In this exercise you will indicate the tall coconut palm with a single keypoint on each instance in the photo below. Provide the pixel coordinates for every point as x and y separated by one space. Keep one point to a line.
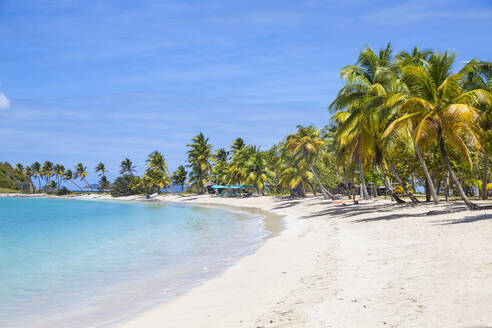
29 172
292 170
416 57
58 171
257 171
36 167
368 78
440 109
104 184
479 76
101 169
199 157
237 145
220 170
81 173
127 167
47 171
179 177
69 176
153 181
19 168
307 142
156 161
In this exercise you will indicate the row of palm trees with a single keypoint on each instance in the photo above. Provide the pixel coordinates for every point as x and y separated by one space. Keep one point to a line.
50 176
395 117
399 120
414 102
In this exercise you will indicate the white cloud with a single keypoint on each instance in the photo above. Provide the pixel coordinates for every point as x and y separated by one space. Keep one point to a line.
4 102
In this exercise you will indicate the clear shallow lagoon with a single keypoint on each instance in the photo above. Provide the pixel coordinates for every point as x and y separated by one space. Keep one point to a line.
81 263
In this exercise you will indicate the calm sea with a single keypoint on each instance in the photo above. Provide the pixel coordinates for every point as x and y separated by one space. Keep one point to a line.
81 263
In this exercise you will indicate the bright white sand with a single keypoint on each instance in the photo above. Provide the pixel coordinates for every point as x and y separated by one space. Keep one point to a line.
371 265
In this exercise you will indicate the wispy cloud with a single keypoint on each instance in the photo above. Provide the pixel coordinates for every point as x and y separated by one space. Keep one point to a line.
418 10
4 102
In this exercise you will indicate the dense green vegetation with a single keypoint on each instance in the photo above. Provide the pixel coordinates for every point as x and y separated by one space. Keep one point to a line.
409 122
14 179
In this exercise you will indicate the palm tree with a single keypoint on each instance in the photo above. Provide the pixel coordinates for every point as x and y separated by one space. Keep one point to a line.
220 171
104 184
19 168
101 169
237 145
127 167
36 167
257 172
307 142
292 170
58 171
199 159
47 171
156 161
153 180
362 124
29 172
368 78
179 177
69 176
81 173
440 109
480 77
416 57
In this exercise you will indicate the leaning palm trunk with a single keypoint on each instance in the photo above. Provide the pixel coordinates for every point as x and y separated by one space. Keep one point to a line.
388 186
485 180
324 191
87 184
457 183
427 175
363 189
401 183
75 184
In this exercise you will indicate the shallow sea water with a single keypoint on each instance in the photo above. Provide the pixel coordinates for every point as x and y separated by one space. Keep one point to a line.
84 263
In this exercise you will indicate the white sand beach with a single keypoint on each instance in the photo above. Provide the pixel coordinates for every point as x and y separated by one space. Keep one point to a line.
372 265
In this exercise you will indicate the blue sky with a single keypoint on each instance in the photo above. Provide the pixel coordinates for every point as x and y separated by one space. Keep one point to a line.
99 81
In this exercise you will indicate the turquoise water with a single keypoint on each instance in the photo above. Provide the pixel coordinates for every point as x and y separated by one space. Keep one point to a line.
81 263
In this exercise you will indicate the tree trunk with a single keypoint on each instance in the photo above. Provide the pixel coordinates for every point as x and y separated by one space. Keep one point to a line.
427 191
363 189
345 183
312 187
87 184
325 192
427 175
401 183
456 182
76 185
446 187
388 186
300 189
485 180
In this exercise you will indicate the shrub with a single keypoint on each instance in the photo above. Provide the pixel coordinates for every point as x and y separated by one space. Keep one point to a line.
125 185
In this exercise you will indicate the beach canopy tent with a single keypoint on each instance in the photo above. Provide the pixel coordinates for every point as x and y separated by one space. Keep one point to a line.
228 187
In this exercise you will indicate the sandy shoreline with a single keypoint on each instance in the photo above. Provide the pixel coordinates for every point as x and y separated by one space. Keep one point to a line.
373 265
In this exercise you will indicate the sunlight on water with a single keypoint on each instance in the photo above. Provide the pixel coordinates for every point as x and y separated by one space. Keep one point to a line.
71 262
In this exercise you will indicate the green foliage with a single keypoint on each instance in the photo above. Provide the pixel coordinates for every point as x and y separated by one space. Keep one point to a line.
126 185
11 178
179 177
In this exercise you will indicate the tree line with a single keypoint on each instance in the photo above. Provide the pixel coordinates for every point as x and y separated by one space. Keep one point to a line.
407 122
